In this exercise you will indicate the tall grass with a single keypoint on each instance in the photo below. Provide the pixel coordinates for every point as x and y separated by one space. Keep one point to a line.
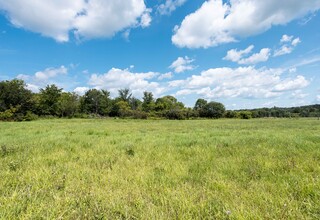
131 169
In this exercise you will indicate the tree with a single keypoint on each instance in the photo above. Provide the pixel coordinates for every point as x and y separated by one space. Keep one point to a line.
96 102
49 98
134 103
168 103
245 115
212 110
13 94
68 104
230 114
121 109
148 103
200 103
124 95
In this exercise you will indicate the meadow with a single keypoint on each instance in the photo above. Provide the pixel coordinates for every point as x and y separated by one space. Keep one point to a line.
160 169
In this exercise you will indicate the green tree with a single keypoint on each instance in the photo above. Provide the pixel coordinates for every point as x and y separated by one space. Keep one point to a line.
13 94
121 109
168 103
148 103
212 110
135 103
68 104
245 115
200 103
96 102
49 100
124 95
231 114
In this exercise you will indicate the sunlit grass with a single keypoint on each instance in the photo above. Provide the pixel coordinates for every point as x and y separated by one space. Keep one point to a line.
131 169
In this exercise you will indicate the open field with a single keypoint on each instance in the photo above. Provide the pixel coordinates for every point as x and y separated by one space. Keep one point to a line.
132 169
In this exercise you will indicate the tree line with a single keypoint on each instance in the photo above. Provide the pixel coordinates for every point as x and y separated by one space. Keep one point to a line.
17 103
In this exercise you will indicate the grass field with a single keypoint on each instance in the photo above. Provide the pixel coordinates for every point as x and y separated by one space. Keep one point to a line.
158 169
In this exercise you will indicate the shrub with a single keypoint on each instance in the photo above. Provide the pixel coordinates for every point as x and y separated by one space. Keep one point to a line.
30 116
139 114
7 115
175 114
245 115
230 114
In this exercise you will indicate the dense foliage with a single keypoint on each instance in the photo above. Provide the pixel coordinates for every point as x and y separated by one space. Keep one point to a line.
20 104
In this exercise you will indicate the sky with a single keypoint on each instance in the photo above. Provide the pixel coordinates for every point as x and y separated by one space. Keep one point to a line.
243 53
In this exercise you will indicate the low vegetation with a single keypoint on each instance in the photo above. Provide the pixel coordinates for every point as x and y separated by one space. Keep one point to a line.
17 103
160 169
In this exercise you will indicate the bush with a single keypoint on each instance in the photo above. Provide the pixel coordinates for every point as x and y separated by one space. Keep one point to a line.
230 114
30 116
175 114
7 115
245 115
139 114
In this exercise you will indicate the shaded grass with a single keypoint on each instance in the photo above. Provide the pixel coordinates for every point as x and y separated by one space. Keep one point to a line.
131 169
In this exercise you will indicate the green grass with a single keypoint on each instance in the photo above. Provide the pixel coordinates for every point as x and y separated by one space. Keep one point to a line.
131 169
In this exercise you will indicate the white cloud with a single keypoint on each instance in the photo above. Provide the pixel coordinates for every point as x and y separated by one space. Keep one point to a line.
50 73
318 98
235 55
285 38
116 79
33 88
176 83
165 76
85 18
298 94
216 22
246 82
262 56
283 50
288 45
182 64
146 18
295 42
81 90
239 55
169 6
23 77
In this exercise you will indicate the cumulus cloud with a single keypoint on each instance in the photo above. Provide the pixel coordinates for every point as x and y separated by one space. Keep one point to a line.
288 45
182 64
168 75
298 94
33 88
216 22
262 56
235 55
239 56
295 42
116 79
169 6
146 18
50 73
246 82
85 18
291 84
285 38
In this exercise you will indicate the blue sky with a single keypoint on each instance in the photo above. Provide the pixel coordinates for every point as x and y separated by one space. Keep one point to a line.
243 53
